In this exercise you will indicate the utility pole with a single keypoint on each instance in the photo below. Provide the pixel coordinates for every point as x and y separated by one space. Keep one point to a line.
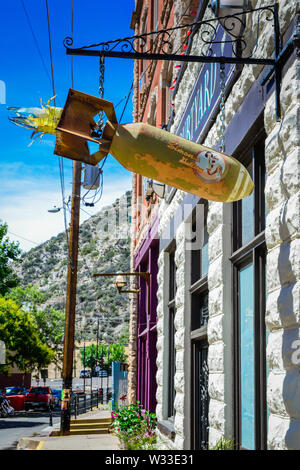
71 301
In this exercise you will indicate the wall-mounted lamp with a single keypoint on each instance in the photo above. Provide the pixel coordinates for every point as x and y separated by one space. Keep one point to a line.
154 187
226 11
121 282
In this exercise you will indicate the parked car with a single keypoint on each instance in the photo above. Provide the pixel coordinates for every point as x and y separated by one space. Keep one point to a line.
85 373
102 373
39 397
57 396
15 391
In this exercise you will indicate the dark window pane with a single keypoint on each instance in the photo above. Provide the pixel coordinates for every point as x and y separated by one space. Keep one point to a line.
199 310
203 398
196 260
172 277
172 356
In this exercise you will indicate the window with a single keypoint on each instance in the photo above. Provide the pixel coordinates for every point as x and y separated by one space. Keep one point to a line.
171 334
199 319
249 308
200 253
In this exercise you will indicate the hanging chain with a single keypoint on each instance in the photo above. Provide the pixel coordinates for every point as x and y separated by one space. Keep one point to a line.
100 123
222 106
101 77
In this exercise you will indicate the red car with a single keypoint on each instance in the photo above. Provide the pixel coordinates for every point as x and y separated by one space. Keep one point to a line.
39 397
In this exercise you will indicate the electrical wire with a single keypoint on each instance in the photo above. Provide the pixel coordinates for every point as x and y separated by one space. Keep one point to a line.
128 95
60 160
23 238
50 51
36 41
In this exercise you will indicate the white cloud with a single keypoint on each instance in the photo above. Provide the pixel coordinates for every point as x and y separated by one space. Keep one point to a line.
25 203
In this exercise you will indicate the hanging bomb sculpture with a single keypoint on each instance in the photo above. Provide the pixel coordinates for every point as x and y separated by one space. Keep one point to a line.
149 151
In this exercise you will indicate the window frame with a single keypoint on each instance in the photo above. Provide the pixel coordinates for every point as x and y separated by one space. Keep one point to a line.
171 363
253 252
198 335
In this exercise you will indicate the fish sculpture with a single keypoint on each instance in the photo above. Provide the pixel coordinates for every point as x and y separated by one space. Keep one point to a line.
147 150
43 120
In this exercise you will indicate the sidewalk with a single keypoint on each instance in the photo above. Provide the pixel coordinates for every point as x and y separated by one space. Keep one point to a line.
80 442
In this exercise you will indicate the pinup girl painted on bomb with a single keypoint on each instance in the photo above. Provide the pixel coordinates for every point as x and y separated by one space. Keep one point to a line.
210 167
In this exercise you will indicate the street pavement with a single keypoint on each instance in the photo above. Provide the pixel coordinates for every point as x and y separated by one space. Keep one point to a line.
35 422
25 424
75 442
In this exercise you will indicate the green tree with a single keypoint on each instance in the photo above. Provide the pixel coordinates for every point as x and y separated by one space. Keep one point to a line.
107 353
24 347
29 297
124 334
50 322
9 251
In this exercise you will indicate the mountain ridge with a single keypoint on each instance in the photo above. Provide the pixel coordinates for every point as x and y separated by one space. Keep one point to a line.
104 246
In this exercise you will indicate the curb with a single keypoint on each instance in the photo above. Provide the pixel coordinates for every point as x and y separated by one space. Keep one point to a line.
27 443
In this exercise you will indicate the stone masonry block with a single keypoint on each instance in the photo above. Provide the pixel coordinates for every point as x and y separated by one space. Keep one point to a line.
283 222
292 437
275 191
278 428
274 394
216 384
291 172
282 349
216 357
216 416
283 265
216 273
215 301
214 436
215 216
283 138
215 245
283 307
215 328
179 382
179 403
291 391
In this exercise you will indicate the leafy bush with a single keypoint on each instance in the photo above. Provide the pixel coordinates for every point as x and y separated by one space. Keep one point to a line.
223 444
134 427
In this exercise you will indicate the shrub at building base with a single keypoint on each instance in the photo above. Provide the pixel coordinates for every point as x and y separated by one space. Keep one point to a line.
134 427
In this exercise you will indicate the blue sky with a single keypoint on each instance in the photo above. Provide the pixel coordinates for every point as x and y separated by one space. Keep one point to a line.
30 183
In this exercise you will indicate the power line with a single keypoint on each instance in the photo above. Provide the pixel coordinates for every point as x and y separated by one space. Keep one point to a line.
50 50
126 103
60 161
35 41
23 238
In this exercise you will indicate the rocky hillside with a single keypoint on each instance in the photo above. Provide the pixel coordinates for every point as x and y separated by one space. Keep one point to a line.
104 246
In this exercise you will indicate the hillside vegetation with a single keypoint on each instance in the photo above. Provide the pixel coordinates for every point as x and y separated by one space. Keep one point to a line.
104 246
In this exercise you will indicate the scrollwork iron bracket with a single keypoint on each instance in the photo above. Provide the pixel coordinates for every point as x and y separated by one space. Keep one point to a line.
158 45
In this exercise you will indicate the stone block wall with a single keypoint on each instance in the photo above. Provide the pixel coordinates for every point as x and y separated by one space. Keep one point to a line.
282 193
283 265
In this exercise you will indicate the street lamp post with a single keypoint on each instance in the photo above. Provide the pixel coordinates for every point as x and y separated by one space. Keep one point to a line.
84 366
